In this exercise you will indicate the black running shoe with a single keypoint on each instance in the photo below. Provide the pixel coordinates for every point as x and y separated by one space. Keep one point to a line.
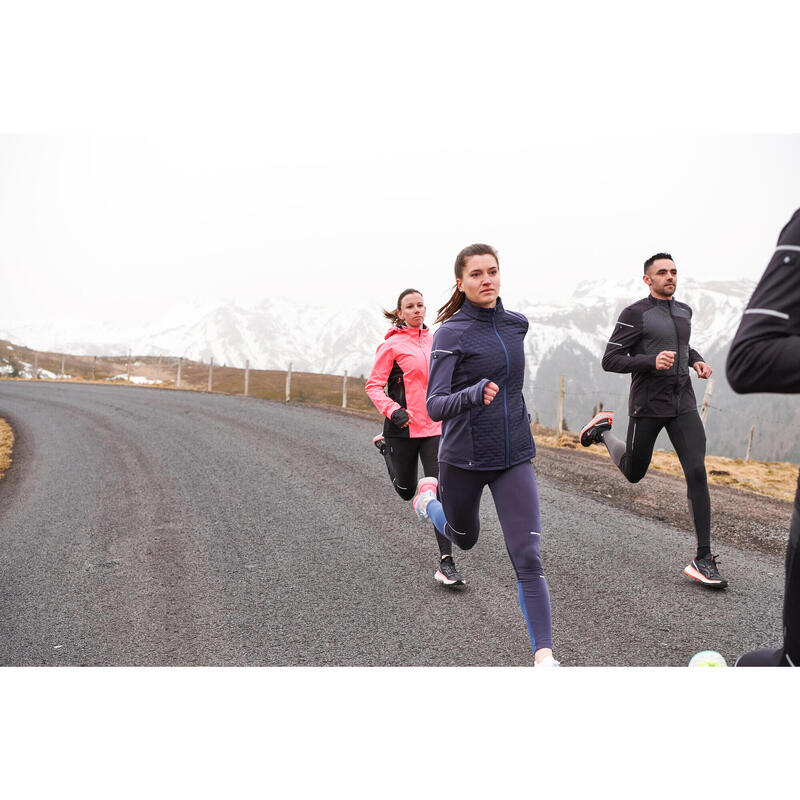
380 443
447 573
770 657
597 425
705 570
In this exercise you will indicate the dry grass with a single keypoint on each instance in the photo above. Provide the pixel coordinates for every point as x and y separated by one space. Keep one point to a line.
771 478
307 387
6 445
774 479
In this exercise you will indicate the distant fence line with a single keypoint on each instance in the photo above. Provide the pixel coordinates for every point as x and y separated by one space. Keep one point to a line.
289 385
175 371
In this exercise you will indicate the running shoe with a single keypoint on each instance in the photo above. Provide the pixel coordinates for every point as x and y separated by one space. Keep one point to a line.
380 443
705 570
769 657
447 573
548 662
426 491
596 426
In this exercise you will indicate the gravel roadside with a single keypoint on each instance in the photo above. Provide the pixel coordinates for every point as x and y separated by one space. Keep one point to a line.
746 520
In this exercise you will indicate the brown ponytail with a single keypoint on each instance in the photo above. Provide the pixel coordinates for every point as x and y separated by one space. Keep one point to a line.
457 298
392 315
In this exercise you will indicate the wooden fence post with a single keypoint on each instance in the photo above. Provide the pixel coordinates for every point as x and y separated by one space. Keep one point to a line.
706 401
289 383
344 390
62 366
94 368
560 420
158 369
180 364
210 373
36 366
750 443
246 377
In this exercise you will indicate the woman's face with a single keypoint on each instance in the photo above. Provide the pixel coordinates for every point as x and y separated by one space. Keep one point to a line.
480 280
412 310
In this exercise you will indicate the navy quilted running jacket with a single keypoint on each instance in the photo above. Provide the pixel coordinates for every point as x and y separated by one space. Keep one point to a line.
475 346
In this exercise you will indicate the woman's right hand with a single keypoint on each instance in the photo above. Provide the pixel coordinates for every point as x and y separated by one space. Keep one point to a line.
490 392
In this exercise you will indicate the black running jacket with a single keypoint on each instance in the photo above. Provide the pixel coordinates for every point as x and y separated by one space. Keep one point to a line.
765 353
642 331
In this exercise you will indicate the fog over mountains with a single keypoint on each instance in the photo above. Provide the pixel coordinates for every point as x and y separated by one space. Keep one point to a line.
566 339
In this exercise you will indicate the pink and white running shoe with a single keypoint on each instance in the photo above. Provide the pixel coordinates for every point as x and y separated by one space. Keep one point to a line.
426 491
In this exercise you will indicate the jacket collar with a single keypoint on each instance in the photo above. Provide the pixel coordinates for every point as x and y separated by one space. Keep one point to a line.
656 301
469 309
405 330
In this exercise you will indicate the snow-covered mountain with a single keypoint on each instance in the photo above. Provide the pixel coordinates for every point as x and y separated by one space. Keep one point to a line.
565 339
587 320
272 333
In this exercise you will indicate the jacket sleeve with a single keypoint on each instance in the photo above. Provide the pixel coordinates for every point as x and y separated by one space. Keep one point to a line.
765 353
384 360
626 334
442 402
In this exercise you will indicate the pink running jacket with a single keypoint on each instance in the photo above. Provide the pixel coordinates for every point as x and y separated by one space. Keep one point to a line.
401 364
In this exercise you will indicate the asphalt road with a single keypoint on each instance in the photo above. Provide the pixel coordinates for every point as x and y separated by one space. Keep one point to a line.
156 527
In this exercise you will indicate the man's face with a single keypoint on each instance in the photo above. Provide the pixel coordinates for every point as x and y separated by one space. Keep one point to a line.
662 278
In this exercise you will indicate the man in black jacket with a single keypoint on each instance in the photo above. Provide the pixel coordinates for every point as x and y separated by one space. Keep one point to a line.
765 357
651 341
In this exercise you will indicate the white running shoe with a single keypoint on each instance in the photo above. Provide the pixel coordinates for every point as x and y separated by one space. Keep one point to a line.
426 491
548 662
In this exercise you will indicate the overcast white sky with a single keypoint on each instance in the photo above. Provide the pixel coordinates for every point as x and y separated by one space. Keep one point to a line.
342 154
109 226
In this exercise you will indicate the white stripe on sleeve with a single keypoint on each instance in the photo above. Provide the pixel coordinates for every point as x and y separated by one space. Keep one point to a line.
768 312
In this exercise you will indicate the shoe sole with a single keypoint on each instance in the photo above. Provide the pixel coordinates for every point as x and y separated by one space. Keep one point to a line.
700 578
442 578
594 422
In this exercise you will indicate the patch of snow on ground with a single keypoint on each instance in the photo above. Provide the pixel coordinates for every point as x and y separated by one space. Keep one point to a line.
137 379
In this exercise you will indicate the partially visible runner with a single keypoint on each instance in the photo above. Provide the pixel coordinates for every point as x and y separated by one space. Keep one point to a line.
651 341
765 357
475 387
409 434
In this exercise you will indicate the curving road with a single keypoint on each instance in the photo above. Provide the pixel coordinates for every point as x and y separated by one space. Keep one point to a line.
155 527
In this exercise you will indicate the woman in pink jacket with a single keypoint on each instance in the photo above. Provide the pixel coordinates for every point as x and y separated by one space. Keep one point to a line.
398 385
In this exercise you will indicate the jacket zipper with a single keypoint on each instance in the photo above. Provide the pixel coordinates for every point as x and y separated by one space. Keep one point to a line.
505 398
677 358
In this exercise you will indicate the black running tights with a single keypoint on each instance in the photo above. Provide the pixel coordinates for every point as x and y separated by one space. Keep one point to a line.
688 437
789 654
401 456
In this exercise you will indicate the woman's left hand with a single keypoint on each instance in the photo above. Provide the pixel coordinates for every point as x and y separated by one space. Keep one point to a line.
490 392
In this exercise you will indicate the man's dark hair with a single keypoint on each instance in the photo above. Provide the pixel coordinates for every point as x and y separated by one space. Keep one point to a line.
649 262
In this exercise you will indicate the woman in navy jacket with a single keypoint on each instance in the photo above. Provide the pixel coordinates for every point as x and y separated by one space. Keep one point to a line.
475 388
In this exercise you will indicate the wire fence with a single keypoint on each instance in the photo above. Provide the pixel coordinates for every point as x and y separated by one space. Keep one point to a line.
727 431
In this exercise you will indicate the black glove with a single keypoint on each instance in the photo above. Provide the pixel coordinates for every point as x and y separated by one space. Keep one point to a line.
400 417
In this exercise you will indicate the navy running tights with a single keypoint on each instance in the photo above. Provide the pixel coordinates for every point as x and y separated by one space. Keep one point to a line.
401 456
688 437
516 498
